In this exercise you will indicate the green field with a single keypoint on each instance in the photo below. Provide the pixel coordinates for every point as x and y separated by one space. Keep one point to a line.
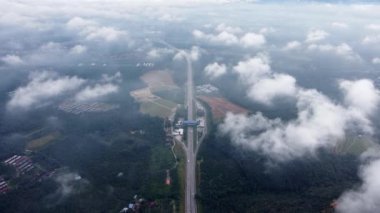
174 94
353 145
159 108
181 169
42 141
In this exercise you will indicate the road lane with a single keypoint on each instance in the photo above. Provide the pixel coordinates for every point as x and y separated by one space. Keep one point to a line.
191 206
190 202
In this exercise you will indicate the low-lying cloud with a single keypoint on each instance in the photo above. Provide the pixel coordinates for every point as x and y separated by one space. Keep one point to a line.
41 87
227 35
291 45
320 122
263 84
91 30
366 197
316 35
92 93
344 50
69 183
12 60
78 49
215 70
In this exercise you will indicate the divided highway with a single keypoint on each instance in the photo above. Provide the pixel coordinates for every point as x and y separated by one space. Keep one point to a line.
191 146
190 203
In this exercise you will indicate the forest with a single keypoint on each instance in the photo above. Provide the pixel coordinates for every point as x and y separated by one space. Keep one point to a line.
234 179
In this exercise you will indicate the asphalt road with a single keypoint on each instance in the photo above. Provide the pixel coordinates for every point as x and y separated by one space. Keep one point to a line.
190 203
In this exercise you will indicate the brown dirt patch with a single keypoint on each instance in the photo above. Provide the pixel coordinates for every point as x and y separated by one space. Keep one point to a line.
220 107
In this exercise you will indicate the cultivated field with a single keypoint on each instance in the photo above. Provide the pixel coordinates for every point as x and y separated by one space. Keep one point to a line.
220 107
354 145
42 141
150 103
158 80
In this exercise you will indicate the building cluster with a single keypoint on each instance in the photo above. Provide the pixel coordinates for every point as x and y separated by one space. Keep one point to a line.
138 204
4 188
78 108
32 172
178 128
178 131
22 164
145 64
206 89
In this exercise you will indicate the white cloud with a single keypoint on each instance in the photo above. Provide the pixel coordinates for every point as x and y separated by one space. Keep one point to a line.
78 49
215 70
227 38
195 53
316 35
158 53
373 39
91 30
12 18
105 33
225 28
267 30
198 34
66 183
320 123
12 60
224 37
117 77
41 87
51 47
252 40
341 25
374 27
360 94
292 45
179 56
252 69
376 60
91 93
366 198
170 18
267 89
69 183
264 85
344 50
78 23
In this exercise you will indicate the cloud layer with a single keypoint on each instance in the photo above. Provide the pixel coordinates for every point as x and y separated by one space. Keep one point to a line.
227 35
92 93
366 198
42 87
263 84
215 70
320 122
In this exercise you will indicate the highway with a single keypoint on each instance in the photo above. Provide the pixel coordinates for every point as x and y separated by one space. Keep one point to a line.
191 146
190 202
